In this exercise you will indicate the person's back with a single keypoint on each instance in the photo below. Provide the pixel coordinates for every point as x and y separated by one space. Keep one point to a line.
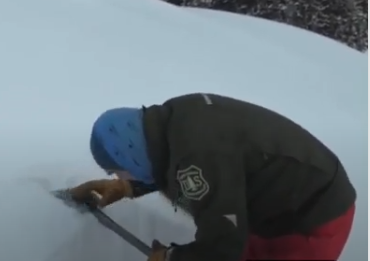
291 177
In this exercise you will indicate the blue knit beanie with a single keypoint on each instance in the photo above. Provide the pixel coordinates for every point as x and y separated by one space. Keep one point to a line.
118 143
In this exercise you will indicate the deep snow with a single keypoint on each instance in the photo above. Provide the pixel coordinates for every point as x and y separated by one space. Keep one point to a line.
63 62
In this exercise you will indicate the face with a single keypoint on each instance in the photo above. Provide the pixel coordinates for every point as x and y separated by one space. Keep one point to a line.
122 174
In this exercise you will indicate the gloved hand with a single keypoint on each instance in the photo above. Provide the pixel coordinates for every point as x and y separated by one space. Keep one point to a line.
109 191
158 252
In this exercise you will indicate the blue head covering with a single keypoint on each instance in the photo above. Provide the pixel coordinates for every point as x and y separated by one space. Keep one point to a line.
118 143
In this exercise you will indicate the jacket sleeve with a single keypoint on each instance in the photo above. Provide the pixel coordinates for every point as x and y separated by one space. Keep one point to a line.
140 189
213 185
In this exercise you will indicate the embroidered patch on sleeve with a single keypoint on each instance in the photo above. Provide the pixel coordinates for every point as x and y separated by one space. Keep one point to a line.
192 182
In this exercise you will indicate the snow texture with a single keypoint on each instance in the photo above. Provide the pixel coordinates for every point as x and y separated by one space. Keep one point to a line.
341 20
63 62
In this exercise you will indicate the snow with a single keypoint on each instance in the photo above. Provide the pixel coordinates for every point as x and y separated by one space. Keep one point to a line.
297 41
63 62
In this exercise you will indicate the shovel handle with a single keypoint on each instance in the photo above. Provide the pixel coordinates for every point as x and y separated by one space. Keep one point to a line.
112 225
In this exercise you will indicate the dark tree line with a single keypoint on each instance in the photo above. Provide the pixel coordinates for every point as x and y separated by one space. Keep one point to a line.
341 20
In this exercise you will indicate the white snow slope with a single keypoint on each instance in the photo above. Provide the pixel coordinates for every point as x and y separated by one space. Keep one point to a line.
64 62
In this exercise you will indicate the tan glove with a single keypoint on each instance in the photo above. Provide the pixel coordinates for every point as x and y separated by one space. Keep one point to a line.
108 190
158 252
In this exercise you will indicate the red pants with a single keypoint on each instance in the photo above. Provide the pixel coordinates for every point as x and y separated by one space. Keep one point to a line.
324 243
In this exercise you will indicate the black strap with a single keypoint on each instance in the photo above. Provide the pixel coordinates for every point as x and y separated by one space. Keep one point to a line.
109 223
91 206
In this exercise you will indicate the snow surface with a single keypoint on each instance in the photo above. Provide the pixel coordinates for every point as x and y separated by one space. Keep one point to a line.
63 62
296 40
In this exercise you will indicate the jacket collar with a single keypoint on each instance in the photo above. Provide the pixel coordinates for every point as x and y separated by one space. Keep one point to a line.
155 120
